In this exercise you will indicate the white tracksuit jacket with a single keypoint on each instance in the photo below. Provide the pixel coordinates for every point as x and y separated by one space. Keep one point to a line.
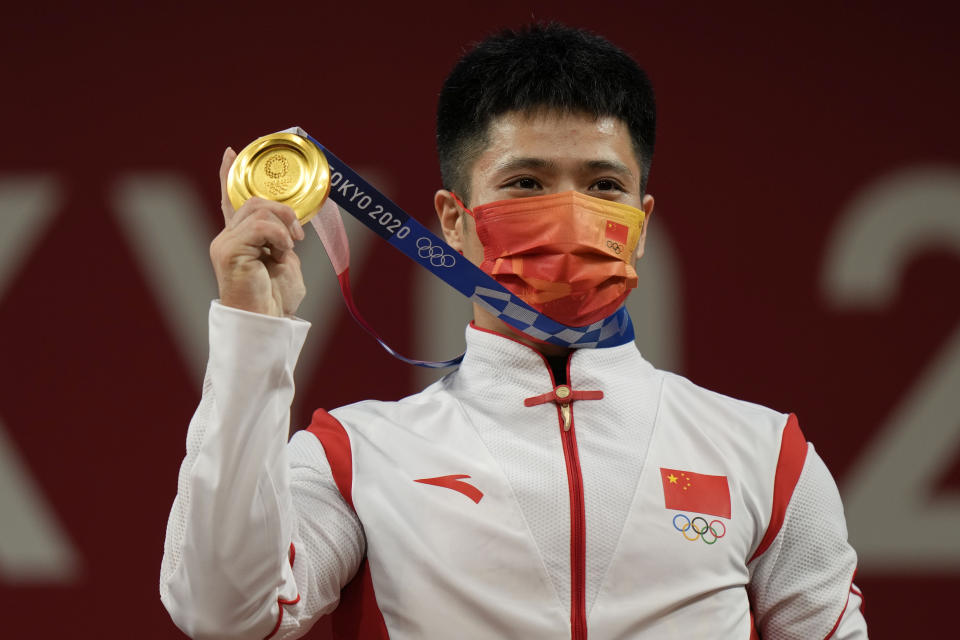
465 512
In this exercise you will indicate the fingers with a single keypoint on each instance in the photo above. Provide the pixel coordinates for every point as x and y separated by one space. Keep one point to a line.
259 207
260 229
260 236
265 235
229 155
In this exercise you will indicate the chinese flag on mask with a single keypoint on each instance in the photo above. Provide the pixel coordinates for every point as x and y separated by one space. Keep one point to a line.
689 491
617 232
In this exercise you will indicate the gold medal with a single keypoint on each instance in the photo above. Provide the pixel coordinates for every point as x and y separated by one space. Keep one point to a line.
283 167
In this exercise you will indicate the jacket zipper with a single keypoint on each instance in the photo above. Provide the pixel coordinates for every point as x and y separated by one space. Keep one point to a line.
578 542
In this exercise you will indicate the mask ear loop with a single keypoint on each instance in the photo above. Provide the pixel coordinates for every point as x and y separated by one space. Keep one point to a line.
462 206
329 227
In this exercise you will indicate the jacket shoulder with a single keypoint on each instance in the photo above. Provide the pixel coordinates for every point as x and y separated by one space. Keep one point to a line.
412 413
720 411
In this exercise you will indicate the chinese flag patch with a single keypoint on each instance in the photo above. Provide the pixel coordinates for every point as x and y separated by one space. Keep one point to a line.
689 491
616 231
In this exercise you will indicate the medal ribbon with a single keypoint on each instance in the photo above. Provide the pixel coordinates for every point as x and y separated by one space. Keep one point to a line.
378 213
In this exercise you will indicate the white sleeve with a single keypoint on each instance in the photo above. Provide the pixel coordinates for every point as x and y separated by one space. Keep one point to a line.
226 570
328 549
802 587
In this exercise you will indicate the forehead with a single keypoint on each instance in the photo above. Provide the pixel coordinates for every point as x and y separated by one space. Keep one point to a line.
561 138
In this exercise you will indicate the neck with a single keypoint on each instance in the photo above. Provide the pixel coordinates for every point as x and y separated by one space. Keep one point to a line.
485 320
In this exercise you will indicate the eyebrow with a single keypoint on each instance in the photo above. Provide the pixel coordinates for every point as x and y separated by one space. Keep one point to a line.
523 162
515 163
609 165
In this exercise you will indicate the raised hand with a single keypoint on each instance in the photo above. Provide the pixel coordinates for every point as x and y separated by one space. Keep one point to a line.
253 257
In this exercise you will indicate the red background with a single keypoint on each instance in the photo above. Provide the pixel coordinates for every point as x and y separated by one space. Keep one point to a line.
771 121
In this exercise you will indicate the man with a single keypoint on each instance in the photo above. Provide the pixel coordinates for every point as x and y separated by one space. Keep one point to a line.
537 491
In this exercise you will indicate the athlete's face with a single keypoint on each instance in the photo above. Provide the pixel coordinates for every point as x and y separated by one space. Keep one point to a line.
539 153
543 152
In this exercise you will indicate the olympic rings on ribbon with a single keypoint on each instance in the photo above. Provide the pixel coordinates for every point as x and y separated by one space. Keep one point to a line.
700 531
429 251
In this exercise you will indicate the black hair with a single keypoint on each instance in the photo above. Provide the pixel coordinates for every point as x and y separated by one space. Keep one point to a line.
549 66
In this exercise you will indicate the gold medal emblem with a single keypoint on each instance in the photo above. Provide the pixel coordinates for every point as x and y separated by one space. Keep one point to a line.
283 167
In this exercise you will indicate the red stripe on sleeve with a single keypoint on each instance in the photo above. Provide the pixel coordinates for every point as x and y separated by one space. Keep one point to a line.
793 453
336 444
859 594
852 589
282 603
358 614
291 554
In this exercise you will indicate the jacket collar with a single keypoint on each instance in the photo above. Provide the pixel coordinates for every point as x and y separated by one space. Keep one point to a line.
493 359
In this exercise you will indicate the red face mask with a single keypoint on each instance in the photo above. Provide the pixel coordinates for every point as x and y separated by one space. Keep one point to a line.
567 255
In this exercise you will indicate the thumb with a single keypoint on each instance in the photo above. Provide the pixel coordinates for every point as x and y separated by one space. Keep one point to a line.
229 155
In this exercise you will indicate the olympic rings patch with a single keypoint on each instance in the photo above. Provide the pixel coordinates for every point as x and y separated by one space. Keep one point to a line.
708 532
429 251
614 246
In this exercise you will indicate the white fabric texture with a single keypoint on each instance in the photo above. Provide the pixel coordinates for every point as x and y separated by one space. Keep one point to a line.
328 538
225 562
808 567
612 437
530 458
444 566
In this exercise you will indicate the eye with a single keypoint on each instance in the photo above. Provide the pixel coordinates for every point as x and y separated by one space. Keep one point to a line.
523 183
606 184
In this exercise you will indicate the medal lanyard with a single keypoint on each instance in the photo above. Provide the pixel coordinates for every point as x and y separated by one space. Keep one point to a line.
360 199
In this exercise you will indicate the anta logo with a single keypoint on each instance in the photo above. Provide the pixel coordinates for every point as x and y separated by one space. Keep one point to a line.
457 484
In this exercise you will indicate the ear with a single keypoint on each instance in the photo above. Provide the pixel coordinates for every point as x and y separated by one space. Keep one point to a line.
451 219
647 206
